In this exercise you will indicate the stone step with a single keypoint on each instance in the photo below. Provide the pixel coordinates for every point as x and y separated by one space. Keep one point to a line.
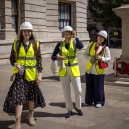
117 83
124 79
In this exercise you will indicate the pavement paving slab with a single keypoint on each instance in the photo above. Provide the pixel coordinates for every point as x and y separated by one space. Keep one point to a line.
114 114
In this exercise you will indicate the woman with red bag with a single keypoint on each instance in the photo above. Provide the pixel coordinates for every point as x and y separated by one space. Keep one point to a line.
96 52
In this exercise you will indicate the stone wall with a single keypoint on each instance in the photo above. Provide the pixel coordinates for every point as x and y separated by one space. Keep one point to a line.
44 17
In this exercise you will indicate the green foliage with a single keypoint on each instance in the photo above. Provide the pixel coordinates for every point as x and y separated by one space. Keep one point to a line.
102 12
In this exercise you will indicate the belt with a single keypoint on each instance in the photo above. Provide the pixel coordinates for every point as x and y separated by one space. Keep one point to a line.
71 64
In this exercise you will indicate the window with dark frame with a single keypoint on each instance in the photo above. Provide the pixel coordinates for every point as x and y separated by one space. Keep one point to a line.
64 15
14 15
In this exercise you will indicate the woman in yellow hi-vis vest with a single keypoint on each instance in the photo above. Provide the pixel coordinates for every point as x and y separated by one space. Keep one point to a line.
24 93
94 74
66 52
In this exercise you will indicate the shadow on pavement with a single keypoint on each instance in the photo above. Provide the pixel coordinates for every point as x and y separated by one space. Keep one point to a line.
5 124
87 105
42 114
52 78
62 105
83 80
111 77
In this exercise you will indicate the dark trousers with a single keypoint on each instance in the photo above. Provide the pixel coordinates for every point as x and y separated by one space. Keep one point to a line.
94 89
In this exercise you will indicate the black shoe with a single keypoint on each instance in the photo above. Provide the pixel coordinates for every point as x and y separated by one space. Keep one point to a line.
79 112
68 114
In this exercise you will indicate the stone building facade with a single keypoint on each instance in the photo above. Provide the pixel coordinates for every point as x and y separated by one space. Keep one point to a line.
48 17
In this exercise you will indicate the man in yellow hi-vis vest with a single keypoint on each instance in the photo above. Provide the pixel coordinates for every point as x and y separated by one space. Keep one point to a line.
94 74
66 51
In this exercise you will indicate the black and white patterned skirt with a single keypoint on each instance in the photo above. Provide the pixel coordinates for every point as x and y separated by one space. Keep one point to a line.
22 91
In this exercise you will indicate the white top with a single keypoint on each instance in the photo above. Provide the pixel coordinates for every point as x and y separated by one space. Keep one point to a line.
107 58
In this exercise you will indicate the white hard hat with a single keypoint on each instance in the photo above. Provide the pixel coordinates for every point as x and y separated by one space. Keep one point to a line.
103 33
26 25
67 28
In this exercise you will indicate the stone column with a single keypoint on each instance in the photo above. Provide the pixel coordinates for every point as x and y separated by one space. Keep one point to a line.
80 12
52 19
6 30
123 12
35 12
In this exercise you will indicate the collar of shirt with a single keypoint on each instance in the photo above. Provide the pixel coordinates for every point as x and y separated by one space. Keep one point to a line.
26 46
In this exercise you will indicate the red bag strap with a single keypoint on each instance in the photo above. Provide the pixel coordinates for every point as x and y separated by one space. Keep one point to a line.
102 50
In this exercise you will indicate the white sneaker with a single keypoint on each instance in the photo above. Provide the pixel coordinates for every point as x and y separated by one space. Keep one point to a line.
98 105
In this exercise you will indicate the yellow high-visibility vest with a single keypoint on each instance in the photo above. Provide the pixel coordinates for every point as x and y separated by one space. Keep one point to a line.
27 60
92 53
71 55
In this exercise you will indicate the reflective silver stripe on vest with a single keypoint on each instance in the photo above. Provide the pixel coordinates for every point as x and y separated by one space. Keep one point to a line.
26 58
71 64
70 57
29 67
74 45
91 47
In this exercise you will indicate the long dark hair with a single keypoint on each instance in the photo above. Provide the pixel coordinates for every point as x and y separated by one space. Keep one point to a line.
32 40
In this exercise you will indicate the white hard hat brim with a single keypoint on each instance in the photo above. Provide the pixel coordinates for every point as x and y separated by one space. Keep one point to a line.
67 31
103 33
103 36
26 29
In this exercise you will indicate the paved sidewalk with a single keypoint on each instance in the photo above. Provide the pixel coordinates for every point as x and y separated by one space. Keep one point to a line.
114 115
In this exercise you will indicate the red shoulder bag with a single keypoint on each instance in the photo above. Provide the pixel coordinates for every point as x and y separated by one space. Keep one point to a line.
102 64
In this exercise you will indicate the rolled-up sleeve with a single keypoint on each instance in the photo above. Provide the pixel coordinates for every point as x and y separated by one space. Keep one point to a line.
79 44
